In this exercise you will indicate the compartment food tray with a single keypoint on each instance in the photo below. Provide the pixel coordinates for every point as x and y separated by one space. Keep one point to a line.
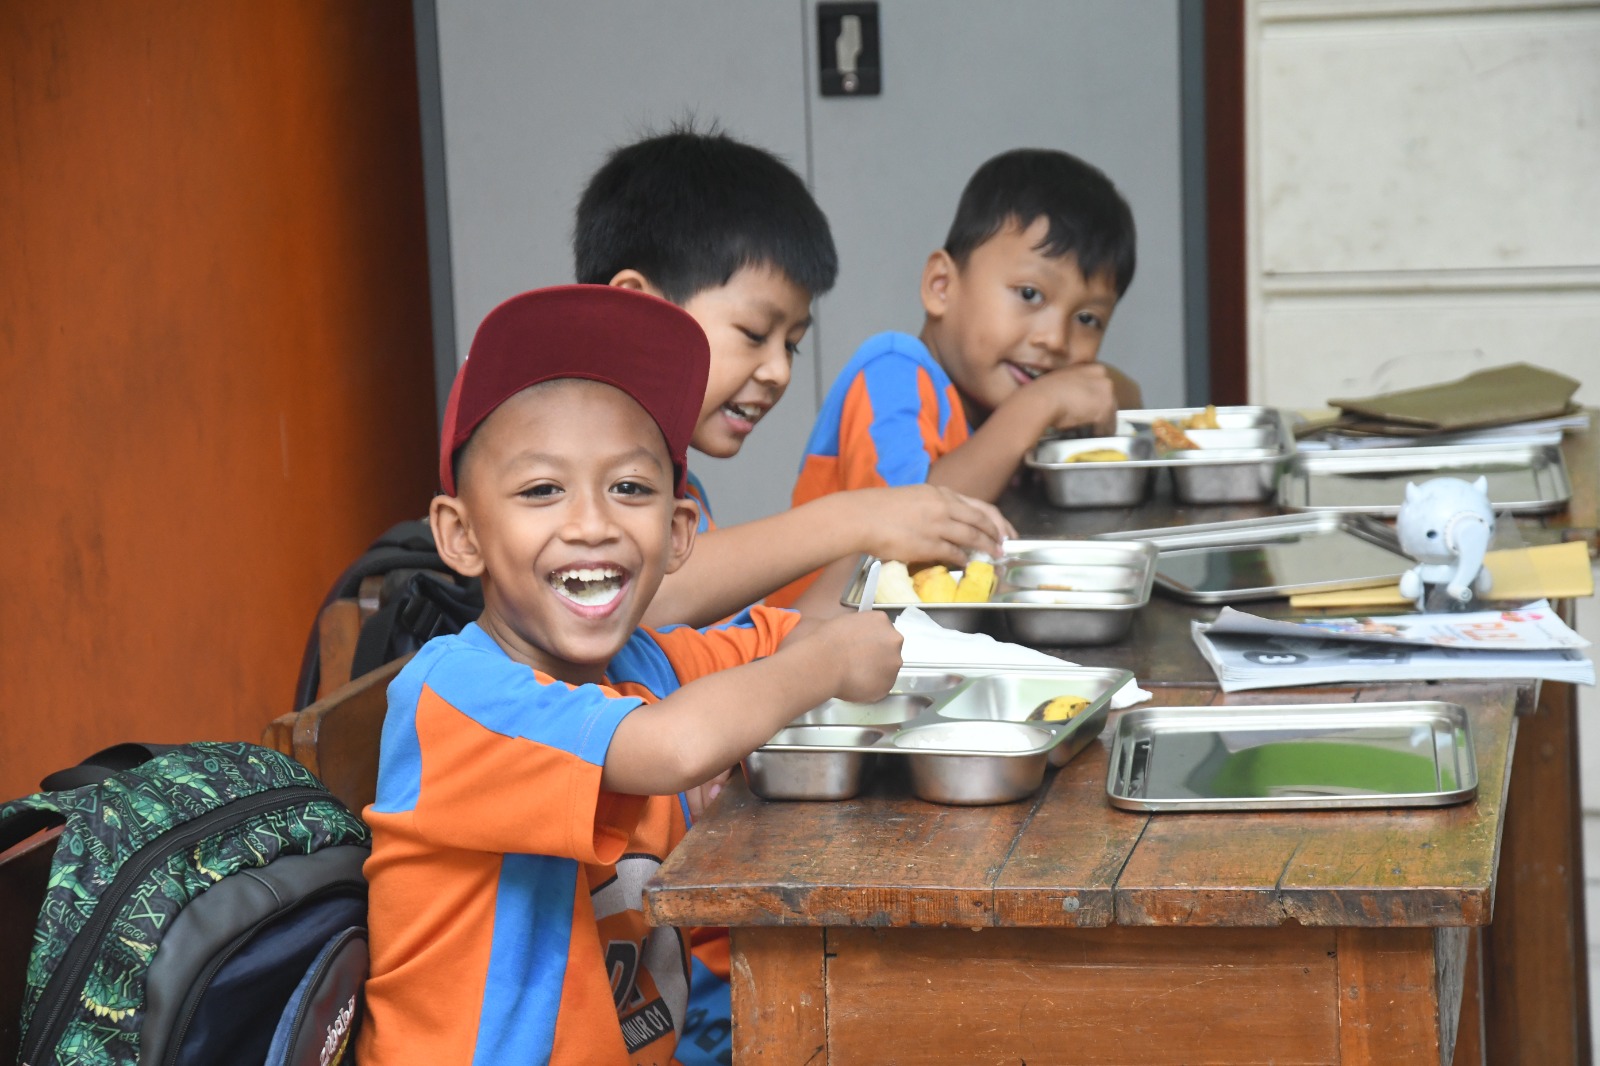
961 730
1237 463
1108 582
1523 478
1281 555
1404 754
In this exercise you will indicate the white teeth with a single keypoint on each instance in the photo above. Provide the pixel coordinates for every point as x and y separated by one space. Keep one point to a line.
589 586
748 412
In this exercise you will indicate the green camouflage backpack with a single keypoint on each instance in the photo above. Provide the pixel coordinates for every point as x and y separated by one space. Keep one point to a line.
188 898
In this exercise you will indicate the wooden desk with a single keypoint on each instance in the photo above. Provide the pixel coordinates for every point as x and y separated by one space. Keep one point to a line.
1185 938
1060 929
1536 954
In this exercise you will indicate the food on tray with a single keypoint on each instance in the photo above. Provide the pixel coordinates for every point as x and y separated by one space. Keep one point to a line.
1060 709
1170 438
934 585
894 584
1099 455
1206 419
977 583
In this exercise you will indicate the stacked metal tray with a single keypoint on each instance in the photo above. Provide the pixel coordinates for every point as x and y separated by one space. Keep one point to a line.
1240 462
1263 558
963 731
1523 478
1050 592
1405 754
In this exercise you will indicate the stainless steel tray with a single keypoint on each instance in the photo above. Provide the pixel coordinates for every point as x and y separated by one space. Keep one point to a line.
1263 558
1106 583
1523 478
1237 463
1411 754
960 729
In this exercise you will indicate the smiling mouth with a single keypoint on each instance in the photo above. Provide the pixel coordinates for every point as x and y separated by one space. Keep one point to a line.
747 412
1030 372
589 586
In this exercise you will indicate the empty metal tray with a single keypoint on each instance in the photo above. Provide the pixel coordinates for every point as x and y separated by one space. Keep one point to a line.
1410 754
1050 592
1239 462
1523 478
965 743
1262 558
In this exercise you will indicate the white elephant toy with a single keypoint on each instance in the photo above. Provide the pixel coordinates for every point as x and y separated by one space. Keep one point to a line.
1446 525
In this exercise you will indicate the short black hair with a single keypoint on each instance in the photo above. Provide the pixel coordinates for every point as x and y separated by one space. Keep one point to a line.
689 209
1088 217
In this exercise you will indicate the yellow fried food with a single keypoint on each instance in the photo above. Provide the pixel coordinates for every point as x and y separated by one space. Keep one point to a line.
1170 438
977 583
934 585
1206 419
1061 709
1099 455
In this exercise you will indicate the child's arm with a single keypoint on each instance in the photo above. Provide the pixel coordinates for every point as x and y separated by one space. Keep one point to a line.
734 566
1071 396
713 722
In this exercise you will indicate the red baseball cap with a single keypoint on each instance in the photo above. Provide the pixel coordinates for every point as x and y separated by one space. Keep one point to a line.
650 349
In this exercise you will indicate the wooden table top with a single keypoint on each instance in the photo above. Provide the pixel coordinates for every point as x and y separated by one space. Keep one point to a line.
1066 858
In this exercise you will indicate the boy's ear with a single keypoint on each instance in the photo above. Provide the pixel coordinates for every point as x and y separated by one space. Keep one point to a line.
453 537
937 275
632 279
685 521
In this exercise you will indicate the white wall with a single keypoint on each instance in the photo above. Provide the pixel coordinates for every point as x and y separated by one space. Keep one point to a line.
533 95
1423 192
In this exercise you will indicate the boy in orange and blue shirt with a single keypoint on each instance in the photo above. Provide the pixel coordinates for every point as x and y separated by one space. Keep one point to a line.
529 765
1016 304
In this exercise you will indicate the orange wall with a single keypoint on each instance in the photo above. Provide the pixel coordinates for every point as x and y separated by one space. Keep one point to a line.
215 368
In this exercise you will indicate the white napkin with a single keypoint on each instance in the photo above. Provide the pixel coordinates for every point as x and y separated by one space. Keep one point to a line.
926 641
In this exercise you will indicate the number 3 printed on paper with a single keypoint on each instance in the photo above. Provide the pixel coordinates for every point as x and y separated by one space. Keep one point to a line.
1275 658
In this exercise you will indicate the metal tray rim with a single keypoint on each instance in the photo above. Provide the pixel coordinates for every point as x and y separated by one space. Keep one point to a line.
1146 555
1196 718
1293 485
1222 456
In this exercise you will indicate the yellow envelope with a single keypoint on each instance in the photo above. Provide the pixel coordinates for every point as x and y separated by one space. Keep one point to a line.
1549 571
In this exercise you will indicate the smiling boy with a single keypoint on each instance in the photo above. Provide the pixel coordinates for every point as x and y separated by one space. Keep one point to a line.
730 234
1015 306
528 765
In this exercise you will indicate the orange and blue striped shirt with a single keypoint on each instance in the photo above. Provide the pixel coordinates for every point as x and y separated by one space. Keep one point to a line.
505 881
891 414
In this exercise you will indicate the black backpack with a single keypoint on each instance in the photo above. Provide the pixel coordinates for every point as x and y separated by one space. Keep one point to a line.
205 904
422 598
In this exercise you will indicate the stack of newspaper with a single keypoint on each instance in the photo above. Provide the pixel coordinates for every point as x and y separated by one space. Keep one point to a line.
1247 651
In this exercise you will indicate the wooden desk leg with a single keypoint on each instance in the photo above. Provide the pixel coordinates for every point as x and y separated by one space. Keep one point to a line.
1536 1003
1469 1026
779 996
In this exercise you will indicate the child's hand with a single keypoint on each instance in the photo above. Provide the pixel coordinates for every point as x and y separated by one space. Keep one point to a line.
929 524
1084 395
864 647
700 796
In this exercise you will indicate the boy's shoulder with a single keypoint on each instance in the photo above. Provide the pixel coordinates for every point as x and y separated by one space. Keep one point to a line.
892 347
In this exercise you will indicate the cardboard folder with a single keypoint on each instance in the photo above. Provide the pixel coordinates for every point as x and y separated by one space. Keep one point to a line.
1506 394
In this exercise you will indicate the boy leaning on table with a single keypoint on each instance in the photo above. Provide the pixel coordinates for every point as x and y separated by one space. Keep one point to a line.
529 765
1015 306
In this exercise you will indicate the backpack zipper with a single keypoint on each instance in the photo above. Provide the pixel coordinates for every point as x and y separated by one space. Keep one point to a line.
203 979
68 975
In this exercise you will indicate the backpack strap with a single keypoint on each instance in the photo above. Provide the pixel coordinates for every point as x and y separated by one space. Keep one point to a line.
102 764
20 823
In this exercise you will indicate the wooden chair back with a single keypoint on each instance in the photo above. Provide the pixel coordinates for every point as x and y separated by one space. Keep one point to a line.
336 738
24 874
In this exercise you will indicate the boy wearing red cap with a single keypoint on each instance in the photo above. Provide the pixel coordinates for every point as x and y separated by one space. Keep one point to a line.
528 765
729 233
